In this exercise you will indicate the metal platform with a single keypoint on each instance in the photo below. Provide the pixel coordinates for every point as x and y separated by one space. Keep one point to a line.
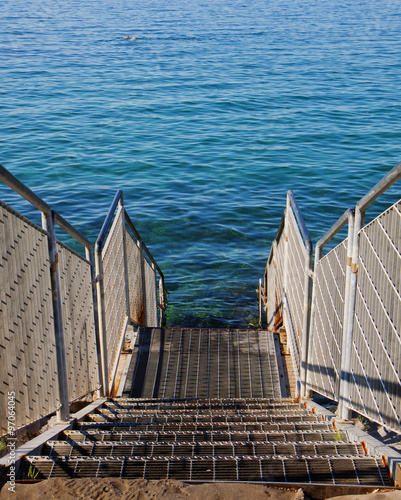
203 363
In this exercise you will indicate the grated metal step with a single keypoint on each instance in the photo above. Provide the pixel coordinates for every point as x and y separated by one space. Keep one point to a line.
205 405
187 436
353 470
201 426
181 449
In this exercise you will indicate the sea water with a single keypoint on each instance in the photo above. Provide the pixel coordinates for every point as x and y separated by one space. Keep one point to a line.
205 117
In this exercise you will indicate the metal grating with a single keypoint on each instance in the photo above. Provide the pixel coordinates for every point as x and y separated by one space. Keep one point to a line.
189 448
198 363
78 320
294 289
275 285
209 440
115 287
325 360
363 471
27 350
134 279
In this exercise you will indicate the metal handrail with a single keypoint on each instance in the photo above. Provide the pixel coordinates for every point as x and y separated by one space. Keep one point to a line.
106 226
300 219
145 248
277 238
107 222
335 228
49 219
393 176
17 186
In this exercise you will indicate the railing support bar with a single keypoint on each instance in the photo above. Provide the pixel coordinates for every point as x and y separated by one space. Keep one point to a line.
63 413
89 257
347 325
102 320
143 283
155 297
306 316
126 277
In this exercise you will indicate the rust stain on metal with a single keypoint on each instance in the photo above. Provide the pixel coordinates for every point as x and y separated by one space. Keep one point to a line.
278 318
140 316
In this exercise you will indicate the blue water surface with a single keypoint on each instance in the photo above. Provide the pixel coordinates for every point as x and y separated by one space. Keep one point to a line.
205 119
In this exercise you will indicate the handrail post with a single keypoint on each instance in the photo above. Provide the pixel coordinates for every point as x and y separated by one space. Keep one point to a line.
143 282
63 413
306 317
155 298
126 278
347 323
102 319
89 257
318 256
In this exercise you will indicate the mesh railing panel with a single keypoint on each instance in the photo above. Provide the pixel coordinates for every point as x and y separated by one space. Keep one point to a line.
27 350
376 356
134 280
325 352
78 321
114 287
151 297
294 288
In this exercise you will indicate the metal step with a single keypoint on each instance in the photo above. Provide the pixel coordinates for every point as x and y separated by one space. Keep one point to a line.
352 470
201 426
105 415
155 404
206 436
209 449
205 405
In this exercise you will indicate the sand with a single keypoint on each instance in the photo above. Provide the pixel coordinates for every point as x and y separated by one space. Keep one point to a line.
141 489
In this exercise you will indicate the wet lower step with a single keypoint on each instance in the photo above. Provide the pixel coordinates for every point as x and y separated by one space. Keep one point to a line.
353 470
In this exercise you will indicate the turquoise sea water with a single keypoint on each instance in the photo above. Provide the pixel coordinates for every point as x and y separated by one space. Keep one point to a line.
205 120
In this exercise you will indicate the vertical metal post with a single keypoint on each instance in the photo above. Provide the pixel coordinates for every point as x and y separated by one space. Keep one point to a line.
102 318
143 283
163 301
63 413
271 291
286 250
126 278
155 297
347 327
318 256
306 317
89 257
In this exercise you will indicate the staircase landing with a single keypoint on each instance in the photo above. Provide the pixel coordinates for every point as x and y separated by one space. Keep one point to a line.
203 363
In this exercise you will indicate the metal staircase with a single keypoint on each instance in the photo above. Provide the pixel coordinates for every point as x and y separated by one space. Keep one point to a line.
207 406
199 404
